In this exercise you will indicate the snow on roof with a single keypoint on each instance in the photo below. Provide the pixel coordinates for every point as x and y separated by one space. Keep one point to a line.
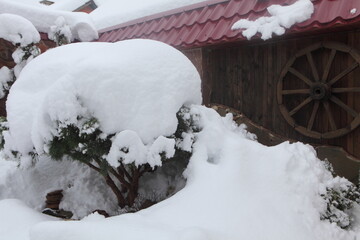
81 25
67 5
18 30
113 12
281 17
210 22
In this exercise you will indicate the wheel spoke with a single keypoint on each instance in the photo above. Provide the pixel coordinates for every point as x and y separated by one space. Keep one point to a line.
313 114
344 73
330 115
296 109
328 66
300 76
351 111
345 90
295 91
313 67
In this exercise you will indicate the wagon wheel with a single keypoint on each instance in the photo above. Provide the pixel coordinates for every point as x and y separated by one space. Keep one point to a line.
319 91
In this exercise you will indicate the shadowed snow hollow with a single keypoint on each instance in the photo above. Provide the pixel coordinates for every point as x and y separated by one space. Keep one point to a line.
136 85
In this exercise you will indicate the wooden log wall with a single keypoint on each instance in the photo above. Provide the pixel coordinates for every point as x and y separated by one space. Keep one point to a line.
245 77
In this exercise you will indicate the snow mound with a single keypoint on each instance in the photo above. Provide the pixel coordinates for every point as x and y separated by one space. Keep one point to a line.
18 30
136 85
81 24
281 17
236 189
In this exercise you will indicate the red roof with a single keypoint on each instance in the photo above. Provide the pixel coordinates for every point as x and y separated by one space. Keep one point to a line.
210 22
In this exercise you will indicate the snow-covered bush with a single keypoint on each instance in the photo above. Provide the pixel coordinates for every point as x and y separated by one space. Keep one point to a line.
60 32
119 158
24 36
340 196
111 106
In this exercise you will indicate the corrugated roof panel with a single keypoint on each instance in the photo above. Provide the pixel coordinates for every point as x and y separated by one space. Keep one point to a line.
152 26
204 15
181 20
217 12
192 18
231 9
210 22
220 29
113 37
171 22
194 31
206 32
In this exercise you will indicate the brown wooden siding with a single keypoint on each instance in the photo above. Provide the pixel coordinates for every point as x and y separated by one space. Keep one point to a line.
245 77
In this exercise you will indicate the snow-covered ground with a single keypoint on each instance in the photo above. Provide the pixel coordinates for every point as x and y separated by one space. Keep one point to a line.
236 189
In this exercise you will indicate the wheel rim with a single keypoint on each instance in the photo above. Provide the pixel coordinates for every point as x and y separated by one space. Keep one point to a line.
321 92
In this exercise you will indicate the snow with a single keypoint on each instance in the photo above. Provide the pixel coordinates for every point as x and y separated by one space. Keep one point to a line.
128 147
84 189
114 12
134 79
16 219
236 189
67 5
81 24
17 30
281 18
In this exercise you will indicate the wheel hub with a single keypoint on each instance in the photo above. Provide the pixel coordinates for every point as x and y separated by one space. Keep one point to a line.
319 91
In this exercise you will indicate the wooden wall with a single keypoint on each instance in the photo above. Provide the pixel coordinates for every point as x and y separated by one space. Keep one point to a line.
245 77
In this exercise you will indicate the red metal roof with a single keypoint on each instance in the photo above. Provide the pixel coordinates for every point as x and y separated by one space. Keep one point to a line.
210 22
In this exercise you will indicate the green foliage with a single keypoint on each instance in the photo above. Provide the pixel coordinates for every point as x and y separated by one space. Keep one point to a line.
187 122
340 199
28 51
60 39
82 143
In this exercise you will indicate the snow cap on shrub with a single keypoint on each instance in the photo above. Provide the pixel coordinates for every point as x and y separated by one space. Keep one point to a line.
136 85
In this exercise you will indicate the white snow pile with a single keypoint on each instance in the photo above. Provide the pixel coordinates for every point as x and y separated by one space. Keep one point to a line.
81 24
18 30
281 17
236 189
136 85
